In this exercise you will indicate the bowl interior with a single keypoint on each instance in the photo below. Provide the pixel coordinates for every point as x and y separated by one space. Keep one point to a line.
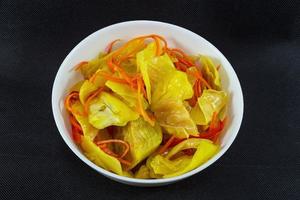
176 37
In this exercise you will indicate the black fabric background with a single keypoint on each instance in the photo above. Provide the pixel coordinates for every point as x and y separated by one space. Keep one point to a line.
260 39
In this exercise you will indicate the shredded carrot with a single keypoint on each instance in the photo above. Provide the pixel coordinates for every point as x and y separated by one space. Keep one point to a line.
153 36
125 144
125 162
107 150
215 128
205 82
184 57
214 121
121 72
185 62
180 66
110 45
68 101
166 146
76 134
75 123
189 152
88 100
107 76
157 46
79 65
199 76
140 105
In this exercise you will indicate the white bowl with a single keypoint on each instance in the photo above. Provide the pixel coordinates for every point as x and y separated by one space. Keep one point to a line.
176 37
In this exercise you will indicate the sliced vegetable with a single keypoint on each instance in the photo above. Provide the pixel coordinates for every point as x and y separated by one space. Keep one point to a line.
126 93
174 117
146 110
142 138
210 72
210 101
169 168
99 157
106 110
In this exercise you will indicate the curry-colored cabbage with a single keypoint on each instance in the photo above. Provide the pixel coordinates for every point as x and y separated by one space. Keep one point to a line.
106 110
143 172
210 101
142 138
174 117
168 167
87 128
99 157
126 93
167 89
143 108
143 59
210 72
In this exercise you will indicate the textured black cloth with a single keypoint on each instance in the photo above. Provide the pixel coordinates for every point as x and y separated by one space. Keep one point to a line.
260 39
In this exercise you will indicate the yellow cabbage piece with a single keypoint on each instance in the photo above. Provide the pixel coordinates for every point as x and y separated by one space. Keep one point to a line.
209 102
128 174
106 110
143 172
86 89
142 59
173 86
174 117
129 66
210 72
205 150
163 166
126 93
186 144
87 128
99 157
166 167
166 88
142 138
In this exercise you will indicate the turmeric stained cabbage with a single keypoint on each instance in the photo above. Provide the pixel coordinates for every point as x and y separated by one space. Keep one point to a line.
145 110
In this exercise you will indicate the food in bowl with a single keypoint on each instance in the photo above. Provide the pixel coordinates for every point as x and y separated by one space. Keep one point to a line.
146 110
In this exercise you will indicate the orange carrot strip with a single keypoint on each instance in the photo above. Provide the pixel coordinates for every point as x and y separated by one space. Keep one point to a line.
72 95
205 82
125 144
76 134
107 150
140 106
125 162
107 77
79 65
185 62
166 146
110 45
75 123
157 46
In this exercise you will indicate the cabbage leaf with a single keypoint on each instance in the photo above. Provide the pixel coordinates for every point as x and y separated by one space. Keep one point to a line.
167 167
142 138
106 110
209 102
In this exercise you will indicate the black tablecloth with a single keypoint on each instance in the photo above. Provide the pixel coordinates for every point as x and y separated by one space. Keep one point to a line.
260 39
